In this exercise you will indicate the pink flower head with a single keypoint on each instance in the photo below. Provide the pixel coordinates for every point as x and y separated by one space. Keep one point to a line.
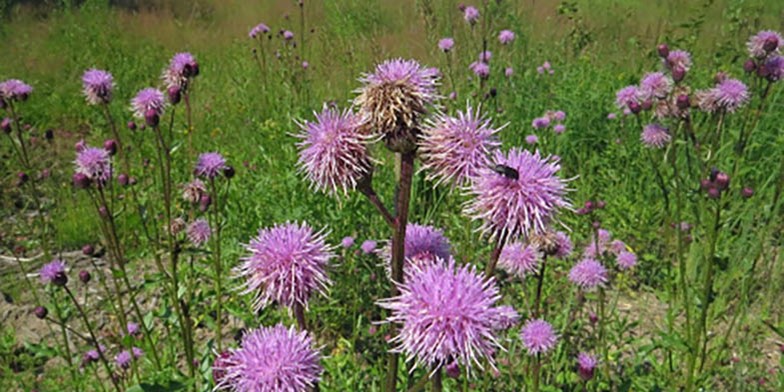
97 86
518 196
137 352
446 44
287 264
565 245
182 68
14 90
617 246
654 85
506 37
454 149
95 164
423 245
538 337
199 232
447 312
347 242
520 259
531 139
123 359
774 68
333 152
678 59
288 35
485 56
541 122
54 273
480 69
731 94
626 260
559 129
148 99
509 71
759 43
258 30
586 365
626 95
655 136
471 14
270 359
368 246
588 274
210 165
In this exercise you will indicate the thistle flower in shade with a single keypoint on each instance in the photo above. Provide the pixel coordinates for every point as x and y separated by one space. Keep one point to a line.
210 165
565 245
123 359
520 259
333 152
133 329
395 97
14 90
182 68
97 86
271 359
541 122
347 242
258 30
286 264
506 37
137 352
678 59
586 364
149 99
447 312
423 245
471 14
480 69
368 246
454 149
95 164
446 44
538 337
626 260
655 136
774 68
654 85
199 232
531 139
520 199
759 45
730 94
54 273
588 274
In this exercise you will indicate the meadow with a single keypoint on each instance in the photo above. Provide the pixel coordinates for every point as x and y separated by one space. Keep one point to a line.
569 195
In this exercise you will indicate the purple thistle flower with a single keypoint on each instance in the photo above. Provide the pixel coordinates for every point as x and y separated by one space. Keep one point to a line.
774 68
347 242
520 259
559 129
259 29
626 95
368 246
626 260
97 86
133 329
507 318
586 364
286 264
95 164
54 273
423 245
471 14
91 356
446 44
447 312
678 59
506 37
531 139
480 69
454 149
210 165
541 122
654 85
288 35
509 71
485 56
731 94
612 116
538 336
588 274
617 246
271 359
182 68
137 352
514 206
559 115
199 232
123 359
757 43
655 136
333 152
565 245
15 90
148 99
540 70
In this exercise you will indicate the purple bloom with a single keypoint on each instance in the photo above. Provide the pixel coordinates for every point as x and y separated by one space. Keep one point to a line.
447 312
259 29
14 90
210 165
480 69
182 68
531 139
271 359
446 44
559 129
654 85
626 260
757 43
506 36
538 336
540 70
333 152
541 122
288 35
586 364
588 274
509 72
559 115
617 246
286 264
123 359
95 164
507 318
54 273
97 86
655 136
137 352
519 200
368 246
471 14
423 245
730 94
626 95
485 56
199 232
305 65
148 99
454 149
774 68
612 116
133 329
678 59
565 245
347 242
519 259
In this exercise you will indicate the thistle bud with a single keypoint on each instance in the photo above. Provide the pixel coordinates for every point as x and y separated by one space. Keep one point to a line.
174 94
21 178
749 66
453 370
123 179
678 73
714 193
49 134
131 125
747 192
663 50
229 172
770 44
647 104
151 118
40 312
722 181
683 102
88 250
634 107
205 202
6 125
81 181
84 276
110 146
103 212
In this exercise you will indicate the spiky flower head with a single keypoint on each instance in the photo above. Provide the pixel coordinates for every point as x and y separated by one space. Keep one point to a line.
565 245
148 99
395 97
471 14
210 165
447 312
506 37
588 274
193 191
759 45
678 59
258 30
518 196
423 245
586 364
95 164
455 149
14 90
655 136
773 69
446 44
368 247
97 86
654 85
626 95
182 68
333 152
54 273
199 232
520 259
123 359
538 336
731 94
626 260
480 69
286 264
271 359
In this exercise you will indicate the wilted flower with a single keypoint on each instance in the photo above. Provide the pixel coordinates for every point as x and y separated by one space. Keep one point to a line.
149 99
333 152
588 274
520 259
454 149
773 69
506 36
446 44
286 264
538 337
655 136
97 86
763 43
182 68
210 165
95 164
199 232
14 90
193 191
54 273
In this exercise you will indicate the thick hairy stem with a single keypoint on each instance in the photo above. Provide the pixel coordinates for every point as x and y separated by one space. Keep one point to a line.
499 246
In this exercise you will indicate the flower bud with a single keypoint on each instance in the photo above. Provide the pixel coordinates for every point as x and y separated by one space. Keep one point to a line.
49 134
747 192
229 172
722 181
6 125
453 370
678 73
647 104
770 44
596 224
601 204
84 276
151 118
663 50
588 205
88 250
103 212
749 66
593 318
683 102
714 193
110 146
175 94
122 179
635 107
131 125
706 184
40 312
222 361
61 279
80 181
21 178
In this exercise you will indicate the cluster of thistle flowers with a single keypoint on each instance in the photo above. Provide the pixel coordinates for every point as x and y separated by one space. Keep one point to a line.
550 119
262 31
